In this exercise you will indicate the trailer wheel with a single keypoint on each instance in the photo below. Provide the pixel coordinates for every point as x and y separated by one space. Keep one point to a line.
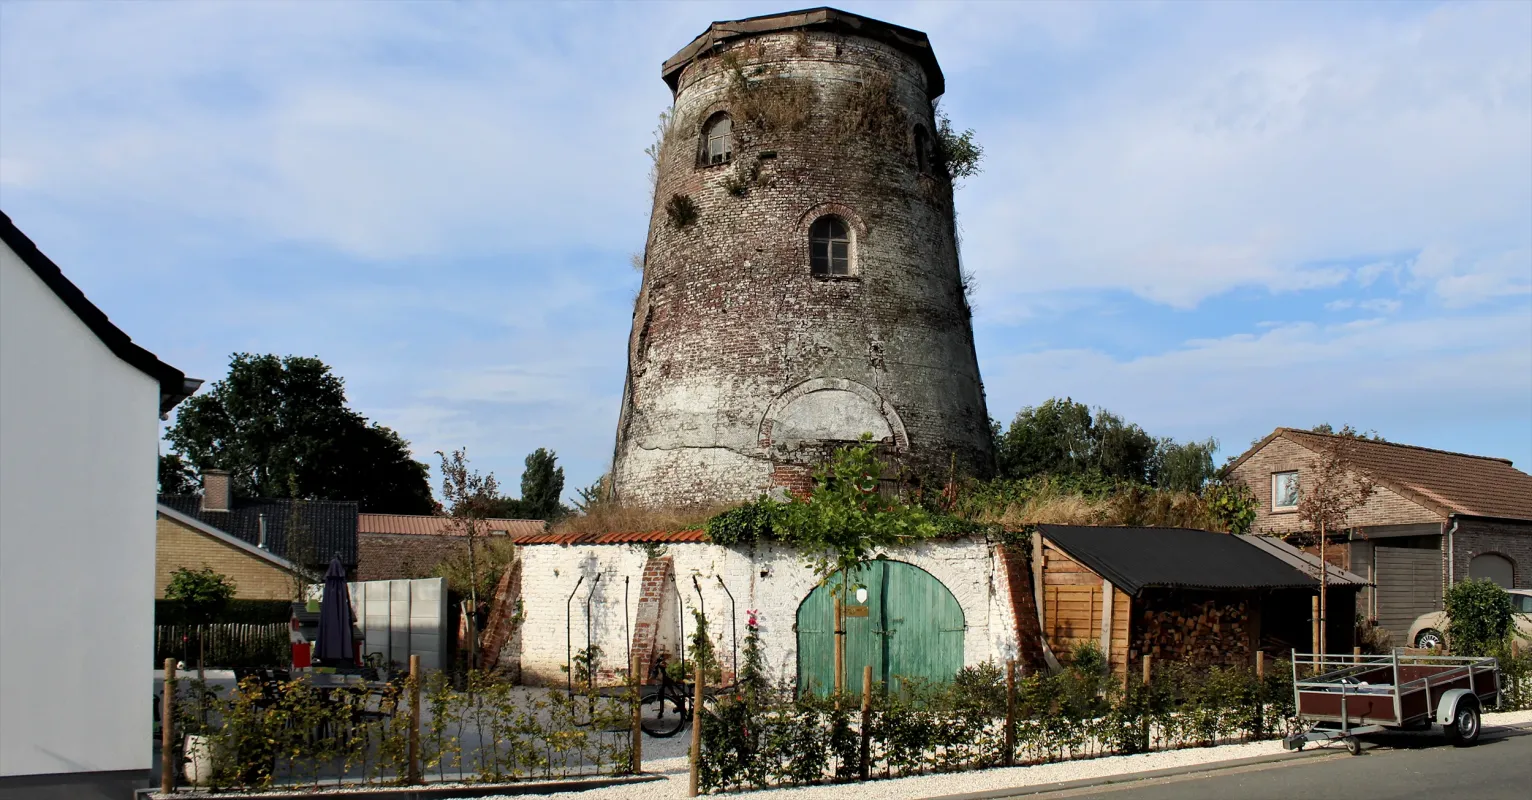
1464 728
1354 745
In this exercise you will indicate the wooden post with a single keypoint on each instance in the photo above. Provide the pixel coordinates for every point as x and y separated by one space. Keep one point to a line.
696 731
414 775
1148 668
168 729
840 648
1260 664
866 751
1356 655
1010 711
1314 610
1148 675
636 752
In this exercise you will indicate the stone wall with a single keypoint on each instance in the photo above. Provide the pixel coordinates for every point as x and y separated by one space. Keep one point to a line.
773 581
744 367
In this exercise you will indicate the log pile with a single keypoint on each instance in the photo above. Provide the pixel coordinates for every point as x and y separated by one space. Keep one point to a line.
1176 627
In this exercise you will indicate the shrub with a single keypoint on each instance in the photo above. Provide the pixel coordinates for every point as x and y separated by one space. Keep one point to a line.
681 210
1479 617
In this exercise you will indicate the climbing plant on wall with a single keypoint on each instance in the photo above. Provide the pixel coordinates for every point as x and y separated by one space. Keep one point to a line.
843 521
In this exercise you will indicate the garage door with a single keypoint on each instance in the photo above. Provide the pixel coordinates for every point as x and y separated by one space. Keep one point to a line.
1409 584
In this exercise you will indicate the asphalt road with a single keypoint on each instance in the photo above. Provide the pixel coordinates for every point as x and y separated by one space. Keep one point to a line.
1393 766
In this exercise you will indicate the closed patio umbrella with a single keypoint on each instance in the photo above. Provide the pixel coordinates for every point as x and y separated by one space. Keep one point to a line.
334 646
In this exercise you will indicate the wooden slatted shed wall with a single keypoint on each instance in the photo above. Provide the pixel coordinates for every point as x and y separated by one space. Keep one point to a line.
1073 605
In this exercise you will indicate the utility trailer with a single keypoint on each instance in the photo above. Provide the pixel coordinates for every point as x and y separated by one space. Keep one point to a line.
1343 697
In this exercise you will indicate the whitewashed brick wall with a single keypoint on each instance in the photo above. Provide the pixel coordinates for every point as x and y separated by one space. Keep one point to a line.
969 568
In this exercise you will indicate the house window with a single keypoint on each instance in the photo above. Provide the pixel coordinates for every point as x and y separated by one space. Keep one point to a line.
1284 491
718 140
830 246
922 149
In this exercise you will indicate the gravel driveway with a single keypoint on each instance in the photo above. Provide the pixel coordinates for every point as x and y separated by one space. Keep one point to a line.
668 757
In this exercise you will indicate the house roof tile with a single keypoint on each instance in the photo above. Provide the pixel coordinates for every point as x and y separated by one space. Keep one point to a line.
1445 482
332 524
423 525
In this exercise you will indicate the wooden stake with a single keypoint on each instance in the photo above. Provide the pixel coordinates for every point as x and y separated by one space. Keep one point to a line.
696 732
1260 664
1315 618
168 729
840 648
866 720
1148 668
1010 711
1356 655
414 775
636 752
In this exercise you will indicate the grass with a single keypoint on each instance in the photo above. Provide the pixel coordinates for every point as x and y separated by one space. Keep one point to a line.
611 518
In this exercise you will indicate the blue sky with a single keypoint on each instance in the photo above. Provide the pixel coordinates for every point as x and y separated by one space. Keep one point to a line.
1211 219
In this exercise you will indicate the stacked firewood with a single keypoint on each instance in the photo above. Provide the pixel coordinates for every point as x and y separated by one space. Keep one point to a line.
1199 632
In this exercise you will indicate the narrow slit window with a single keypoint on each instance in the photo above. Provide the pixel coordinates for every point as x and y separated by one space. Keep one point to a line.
719 138
922 149
830 246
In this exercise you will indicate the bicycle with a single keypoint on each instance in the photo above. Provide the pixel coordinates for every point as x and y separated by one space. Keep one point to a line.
665 711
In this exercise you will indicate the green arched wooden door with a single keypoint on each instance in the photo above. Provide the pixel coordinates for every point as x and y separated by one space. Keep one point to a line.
905 624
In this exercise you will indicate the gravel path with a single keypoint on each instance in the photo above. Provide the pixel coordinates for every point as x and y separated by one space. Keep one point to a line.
668 757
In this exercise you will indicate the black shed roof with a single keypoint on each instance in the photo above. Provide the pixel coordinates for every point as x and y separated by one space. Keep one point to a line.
1134 559
332 524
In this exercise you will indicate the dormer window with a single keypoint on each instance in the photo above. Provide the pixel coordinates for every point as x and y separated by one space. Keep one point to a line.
718 140
830 246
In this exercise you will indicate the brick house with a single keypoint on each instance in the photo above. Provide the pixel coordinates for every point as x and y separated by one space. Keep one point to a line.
184 541
396 546
1436 517
304 532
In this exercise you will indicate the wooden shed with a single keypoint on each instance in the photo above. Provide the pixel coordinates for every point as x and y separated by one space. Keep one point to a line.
1178 595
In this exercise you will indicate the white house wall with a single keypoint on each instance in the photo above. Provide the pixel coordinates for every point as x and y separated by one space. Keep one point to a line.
78 433
969 568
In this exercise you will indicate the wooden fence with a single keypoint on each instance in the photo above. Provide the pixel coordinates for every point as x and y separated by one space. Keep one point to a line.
227 645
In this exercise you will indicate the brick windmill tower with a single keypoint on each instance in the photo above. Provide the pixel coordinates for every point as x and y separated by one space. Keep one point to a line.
801 283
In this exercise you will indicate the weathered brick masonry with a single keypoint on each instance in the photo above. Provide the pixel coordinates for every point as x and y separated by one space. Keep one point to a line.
744 367
1512 540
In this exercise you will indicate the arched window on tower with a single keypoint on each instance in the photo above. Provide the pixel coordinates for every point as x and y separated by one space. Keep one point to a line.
830 246
718 139
922 149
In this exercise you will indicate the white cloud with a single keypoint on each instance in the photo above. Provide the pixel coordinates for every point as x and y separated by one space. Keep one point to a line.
1396 375
1339 305
1256 144
1381 305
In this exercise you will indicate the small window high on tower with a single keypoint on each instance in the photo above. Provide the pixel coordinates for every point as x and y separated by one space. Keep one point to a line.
718 139
830 246
922 149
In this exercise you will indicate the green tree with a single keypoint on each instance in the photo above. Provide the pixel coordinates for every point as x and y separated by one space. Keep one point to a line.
176 476
1479 617
1334 488
468 499
1184 467
281 427
1062 437
1348 432
202 595
542 483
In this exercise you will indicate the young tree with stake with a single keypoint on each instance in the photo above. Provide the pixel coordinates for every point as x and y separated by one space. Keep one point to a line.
1335 489
468 498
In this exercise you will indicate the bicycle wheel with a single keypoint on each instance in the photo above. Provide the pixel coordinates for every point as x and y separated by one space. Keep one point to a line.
661 714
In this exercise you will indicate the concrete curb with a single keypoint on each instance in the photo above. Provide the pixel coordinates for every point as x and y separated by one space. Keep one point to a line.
425 792
1169 772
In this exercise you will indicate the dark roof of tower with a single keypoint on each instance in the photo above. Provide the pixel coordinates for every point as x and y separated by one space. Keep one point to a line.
907 40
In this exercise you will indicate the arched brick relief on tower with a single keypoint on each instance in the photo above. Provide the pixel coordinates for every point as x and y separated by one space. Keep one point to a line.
827 410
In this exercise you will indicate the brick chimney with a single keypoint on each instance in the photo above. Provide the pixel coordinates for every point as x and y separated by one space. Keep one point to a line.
215 490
